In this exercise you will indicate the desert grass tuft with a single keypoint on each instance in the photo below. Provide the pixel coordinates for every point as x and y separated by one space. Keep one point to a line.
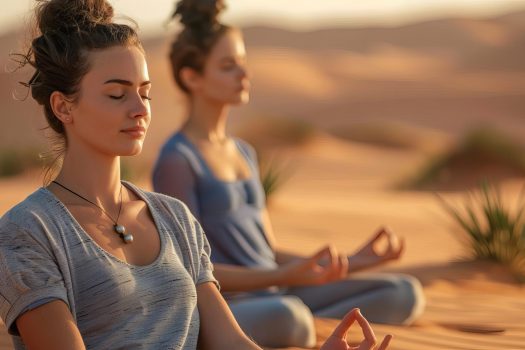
15 162
484 153
492 231
274 174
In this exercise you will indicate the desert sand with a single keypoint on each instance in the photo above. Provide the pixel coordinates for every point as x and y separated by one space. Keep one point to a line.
425 85
340 192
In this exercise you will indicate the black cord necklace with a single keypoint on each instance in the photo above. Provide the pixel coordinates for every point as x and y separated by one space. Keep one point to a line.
119 229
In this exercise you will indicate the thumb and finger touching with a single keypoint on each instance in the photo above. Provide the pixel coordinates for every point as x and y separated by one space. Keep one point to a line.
369 342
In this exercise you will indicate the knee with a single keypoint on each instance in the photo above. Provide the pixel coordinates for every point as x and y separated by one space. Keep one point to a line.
407 298
295 323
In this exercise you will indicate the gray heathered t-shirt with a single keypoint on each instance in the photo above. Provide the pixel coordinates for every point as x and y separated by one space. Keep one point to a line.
45 255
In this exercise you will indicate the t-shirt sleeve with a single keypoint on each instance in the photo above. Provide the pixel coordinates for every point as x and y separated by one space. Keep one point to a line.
205 265
29 274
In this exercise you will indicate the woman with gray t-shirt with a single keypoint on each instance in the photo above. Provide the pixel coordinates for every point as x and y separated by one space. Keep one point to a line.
90 261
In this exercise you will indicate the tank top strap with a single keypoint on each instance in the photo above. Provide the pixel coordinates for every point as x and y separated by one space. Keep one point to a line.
248 152
192 155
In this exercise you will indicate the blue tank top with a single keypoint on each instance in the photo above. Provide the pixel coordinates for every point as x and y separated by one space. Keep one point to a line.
229 211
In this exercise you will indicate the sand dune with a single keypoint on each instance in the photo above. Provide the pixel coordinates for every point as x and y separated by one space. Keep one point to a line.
388 62
449 75
302 79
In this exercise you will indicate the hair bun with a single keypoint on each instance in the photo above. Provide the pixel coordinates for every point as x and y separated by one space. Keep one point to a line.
67 15
199 14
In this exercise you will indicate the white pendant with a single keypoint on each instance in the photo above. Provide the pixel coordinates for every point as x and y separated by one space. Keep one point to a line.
127 238
119 229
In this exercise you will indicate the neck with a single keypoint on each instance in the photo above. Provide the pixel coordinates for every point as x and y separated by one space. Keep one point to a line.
91 174
207 120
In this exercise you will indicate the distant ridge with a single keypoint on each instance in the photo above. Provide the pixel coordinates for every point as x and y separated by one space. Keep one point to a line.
446 75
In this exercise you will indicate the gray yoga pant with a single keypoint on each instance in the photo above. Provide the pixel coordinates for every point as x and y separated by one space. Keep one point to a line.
287 320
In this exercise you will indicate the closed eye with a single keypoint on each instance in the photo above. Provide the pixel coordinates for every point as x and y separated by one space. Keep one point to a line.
116 97
228 67
146 98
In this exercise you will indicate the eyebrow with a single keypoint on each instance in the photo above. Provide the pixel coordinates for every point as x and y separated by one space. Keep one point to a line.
125 82
233 59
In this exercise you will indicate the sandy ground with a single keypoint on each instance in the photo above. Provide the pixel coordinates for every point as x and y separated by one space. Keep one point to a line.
341 192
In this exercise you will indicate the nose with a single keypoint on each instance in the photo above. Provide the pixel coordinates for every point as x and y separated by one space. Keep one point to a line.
140 107
243 72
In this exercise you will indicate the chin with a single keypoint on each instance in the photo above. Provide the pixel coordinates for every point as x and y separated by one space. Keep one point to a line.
136 153
132 151
245 98
241 99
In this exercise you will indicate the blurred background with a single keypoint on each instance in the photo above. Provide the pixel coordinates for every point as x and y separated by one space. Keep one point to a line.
411 74
361 112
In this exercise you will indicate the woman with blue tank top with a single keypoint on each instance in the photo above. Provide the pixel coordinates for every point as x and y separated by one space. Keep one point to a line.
273 294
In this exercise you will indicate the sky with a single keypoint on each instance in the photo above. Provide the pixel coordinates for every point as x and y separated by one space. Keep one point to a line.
294 14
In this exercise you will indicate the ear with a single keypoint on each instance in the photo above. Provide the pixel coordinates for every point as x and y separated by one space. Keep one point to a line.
61 107
191 78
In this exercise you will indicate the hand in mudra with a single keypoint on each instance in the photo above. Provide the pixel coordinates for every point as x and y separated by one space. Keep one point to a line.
372 254
325 266
337 341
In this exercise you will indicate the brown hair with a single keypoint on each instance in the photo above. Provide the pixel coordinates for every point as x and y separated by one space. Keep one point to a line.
201 32
66 31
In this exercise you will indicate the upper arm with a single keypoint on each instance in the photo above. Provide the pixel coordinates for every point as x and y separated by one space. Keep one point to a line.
29 273
174 177
50 326
268 228
281 256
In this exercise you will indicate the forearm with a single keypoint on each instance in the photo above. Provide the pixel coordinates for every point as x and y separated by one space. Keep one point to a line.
230 340
247 344
241 343
355 264
238 278
218 327
358 263
283 257
50 326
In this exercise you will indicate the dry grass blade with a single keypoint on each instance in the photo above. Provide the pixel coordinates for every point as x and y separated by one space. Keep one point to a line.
494 232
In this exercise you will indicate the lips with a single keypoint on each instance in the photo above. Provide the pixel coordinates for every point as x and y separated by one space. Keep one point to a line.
244 85
244 88
136 131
